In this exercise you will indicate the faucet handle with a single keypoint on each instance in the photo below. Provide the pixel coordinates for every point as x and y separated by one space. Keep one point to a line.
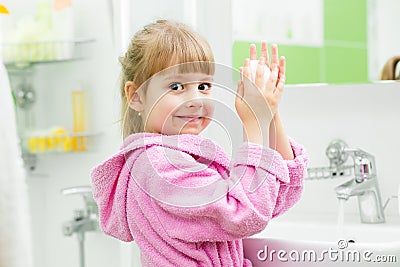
79 215
82 190
336 152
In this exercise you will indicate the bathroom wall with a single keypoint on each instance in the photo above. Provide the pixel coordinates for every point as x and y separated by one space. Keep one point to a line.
365 116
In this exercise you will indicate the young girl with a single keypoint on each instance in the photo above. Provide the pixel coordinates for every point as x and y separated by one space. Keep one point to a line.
175 193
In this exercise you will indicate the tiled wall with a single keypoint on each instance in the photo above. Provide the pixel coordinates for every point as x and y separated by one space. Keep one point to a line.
341 59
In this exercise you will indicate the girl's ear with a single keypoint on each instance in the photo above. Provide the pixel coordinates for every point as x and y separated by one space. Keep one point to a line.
133 97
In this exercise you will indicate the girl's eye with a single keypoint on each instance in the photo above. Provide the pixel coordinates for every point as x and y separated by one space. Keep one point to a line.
176 86
205 86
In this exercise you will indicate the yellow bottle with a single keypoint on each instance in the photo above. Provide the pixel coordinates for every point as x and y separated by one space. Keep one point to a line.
33 144
78 141
58 134
42 147
66 143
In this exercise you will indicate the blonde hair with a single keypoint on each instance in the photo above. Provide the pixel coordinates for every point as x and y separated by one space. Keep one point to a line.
157 46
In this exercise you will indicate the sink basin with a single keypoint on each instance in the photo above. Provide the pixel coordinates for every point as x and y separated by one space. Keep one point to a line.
320 243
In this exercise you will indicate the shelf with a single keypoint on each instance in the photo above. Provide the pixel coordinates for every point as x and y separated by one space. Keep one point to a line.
56 143
72 143
15 65
26 54
20 59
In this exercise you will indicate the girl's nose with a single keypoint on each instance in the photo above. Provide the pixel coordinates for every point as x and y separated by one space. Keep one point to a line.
194 98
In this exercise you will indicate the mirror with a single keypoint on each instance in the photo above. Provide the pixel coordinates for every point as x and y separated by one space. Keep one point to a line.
324 41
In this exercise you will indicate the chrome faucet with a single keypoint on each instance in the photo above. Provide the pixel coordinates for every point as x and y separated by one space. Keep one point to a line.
364 184
84 220
80 224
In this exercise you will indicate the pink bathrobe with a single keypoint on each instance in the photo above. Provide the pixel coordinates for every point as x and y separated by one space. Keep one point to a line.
185 203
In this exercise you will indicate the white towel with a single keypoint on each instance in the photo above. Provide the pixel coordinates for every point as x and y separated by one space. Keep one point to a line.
15 230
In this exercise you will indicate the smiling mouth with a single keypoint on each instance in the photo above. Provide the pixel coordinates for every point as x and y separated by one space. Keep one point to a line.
190 118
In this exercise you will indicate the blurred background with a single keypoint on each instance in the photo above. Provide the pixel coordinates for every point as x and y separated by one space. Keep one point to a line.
62 62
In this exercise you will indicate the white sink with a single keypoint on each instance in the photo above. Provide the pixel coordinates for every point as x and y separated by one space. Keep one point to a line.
320 243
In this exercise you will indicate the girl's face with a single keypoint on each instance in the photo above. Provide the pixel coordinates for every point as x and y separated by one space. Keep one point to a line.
178 103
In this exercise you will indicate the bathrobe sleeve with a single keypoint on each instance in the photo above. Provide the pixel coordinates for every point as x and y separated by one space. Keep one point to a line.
201 201
290 193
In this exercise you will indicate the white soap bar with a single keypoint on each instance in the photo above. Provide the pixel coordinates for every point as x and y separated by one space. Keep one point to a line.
253 68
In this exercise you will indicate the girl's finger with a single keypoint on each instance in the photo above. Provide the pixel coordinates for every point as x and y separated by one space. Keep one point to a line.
279 89
271 84
282 66
274 59
240 90
246 73
246 69
264 52
259 80
241 73
281 84
253 52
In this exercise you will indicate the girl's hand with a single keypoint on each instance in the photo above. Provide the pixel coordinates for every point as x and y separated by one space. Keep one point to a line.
257 100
